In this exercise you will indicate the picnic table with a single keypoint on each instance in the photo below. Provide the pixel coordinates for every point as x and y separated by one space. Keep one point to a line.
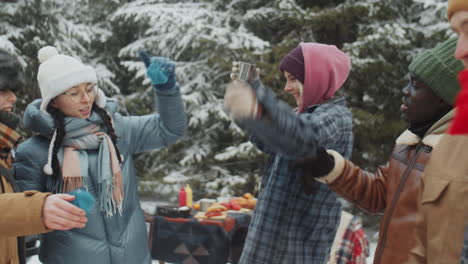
194 241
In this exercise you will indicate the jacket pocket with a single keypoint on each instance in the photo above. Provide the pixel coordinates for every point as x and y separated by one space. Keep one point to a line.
433 189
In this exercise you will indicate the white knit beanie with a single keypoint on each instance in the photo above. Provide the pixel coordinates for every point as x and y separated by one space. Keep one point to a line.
58 73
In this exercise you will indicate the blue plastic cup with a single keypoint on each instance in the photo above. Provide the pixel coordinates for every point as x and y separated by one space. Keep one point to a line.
83 199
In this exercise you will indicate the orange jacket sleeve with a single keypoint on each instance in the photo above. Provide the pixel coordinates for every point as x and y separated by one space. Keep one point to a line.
22 213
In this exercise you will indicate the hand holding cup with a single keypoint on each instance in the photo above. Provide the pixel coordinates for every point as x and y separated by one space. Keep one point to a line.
240 100
244 71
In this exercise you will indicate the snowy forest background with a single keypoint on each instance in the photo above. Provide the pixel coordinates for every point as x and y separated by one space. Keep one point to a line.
204 37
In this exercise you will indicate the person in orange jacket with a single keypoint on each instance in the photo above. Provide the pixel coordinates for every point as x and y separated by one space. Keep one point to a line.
29 212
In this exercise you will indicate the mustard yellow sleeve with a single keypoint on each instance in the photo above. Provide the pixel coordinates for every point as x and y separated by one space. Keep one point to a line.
21 213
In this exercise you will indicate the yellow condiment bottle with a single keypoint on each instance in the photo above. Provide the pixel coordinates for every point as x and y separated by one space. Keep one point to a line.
188 190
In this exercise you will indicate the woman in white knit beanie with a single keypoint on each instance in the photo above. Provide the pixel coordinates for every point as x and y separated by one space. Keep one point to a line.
84 146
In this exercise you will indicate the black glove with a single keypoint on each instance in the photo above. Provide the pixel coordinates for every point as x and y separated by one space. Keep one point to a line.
314 166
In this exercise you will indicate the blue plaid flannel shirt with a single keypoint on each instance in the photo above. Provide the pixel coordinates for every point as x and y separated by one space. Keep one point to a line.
289 226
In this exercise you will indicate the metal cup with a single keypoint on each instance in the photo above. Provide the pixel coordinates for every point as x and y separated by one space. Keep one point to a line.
246 71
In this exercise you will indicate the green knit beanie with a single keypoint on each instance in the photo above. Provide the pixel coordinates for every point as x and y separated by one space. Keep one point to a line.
438 69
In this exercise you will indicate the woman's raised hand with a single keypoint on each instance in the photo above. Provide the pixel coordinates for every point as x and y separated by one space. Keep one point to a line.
160 70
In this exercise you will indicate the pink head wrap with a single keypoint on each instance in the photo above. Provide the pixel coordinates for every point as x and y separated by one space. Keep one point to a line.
326 69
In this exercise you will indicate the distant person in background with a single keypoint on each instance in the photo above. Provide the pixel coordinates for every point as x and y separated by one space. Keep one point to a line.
29 212
350 245
83 142
393 189
290 224
443 200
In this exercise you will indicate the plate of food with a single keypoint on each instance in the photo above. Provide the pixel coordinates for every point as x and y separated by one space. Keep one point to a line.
173 211
214 211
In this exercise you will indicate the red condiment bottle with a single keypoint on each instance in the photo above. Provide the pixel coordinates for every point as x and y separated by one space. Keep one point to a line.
182 197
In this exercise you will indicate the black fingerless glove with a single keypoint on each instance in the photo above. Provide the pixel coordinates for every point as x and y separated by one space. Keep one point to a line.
314 166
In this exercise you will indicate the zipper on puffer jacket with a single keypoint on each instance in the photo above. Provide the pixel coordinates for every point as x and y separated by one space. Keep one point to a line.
404 178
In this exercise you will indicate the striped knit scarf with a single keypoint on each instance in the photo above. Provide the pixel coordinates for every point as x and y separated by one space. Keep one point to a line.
9 138
74 161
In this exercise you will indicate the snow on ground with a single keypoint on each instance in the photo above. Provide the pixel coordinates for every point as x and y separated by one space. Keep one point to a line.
373 245
33 260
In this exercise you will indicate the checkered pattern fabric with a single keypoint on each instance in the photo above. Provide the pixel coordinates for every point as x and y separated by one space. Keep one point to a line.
354 246
289 226
9 138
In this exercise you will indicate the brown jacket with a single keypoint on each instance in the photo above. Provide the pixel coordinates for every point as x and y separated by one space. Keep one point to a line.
443 204
392 190
20 212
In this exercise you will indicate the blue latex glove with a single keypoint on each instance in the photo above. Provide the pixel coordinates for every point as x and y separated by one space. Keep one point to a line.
160 70
83 199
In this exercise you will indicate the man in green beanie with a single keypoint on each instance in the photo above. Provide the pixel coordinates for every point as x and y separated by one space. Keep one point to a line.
393 189
443 211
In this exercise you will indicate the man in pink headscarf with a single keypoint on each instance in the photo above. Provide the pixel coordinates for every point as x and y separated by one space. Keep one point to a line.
290 224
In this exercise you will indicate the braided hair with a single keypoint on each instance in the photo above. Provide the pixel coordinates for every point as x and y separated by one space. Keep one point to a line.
110 127
59 119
